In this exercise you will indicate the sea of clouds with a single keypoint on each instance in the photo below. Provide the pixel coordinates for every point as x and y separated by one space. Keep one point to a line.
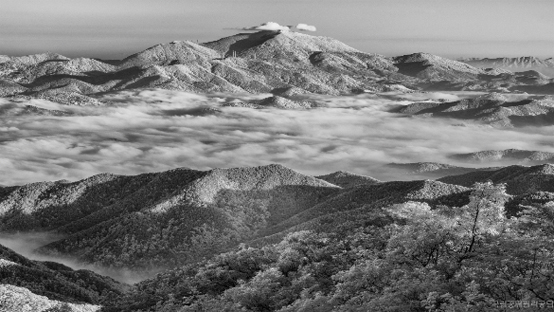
156 130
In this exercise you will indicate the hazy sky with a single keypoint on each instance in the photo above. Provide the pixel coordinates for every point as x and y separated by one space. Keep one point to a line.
117 28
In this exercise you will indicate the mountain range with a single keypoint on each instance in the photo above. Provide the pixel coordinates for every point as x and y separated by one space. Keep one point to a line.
173 219
493 108
430 170
164 219
261 62
160 220
514 64
520 156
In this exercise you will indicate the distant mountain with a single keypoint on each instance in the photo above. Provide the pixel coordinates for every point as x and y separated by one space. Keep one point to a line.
432 67
430 170
260 62
347 179
515 64
254 62
50 284
521 156
519 179
493 108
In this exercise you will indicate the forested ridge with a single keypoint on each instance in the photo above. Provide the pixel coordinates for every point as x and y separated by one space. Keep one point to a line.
270 239
404 257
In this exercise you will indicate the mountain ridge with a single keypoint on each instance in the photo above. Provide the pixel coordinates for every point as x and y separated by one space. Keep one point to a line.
545 66
260 62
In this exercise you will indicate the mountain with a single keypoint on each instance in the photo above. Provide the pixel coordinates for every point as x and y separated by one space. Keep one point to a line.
430 170
49 284
518 179
363 198
431 67
515 64
176 52
277 44
250 237
159 219
254 62
520 156
260 62
346 179
493 108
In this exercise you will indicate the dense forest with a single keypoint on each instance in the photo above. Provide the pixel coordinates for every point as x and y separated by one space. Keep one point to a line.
269 239
404 257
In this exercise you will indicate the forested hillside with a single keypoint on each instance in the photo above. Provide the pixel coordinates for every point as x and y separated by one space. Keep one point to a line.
271 239
50 285
403 257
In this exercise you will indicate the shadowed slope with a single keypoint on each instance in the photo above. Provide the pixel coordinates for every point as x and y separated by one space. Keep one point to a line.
56 281
432 67
519 179
369 197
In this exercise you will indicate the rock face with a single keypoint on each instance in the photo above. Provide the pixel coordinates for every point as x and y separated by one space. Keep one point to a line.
493 108
261 62
515 64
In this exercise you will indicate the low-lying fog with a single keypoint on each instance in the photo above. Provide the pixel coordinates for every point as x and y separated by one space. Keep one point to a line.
158 130
26 243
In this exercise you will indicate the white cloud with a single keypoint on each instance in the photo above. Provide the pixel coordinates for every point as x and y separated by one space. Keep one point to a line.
305 27
267 26
277 27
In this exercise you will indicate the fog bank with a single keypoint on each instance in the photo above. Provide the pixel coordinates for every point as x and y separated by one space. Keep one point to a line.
156 130
26 244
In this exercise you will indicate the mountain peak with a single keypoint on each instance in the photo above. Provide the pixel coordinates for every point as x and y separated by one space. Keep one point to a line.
433 67
175 52
268 43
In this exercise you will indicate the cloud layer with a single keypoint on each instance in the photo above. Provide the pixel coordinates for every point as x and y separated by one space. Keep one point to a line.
157 130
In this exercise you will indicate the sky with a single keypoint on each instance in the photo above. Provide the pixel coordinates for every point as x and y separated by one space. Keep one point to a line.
114 29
